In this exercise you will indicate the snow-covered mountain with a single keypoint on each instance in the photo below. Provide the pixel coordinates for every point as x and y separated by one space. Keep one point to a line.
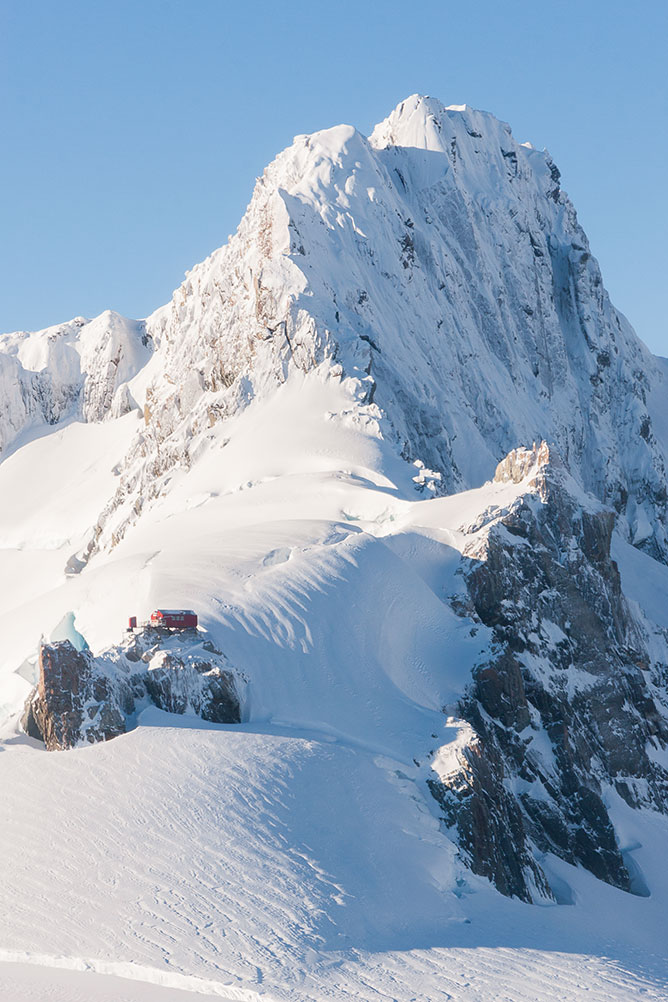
440 265
78 369
451 676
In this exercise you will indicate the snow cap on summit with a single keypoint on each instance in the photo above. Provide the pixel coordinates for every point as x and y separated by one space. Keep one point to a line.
424 123
414 122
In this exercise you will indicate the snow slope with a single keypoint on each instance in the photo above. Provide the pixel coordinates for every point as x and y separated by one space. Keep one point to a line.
299 855
294 866
393 315
54 980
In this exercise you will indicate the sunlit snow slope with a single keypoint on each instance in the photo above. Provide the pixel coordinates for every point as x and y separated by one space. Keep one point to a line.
272 455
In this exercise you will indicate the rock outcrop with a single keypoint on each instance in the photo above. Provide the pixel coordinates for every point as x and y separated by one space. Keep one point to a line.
83 699
192 685
486 819
75 699
567 705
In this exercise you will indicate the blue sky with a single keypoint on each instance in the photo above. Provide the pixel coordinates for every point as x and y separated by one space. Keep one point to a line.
133 131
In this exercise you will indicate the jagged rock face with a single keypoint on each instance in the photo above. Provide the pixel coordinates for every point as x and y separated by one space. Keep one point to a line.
519 463
192 686
488 821
565 706
83 699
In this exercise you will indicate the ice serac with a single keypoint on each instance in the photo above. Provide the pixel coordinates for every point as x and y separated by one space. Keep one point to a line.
570 701
441 267
78 370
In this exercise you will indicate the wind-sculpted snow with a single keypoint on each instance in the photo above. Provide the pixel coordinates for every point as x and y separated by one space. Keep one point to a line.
301 853
265 866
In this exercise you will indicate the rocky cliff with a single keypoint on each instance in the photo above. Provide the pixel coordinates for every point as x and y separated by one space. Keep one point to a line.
571 703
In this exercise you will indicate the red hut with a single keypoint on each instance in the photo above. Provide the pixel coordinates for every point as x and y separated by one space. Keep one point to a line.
174 619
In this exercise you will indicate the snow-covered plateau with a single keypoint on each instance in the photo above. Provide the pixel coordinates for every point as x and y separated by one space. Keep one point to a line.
405 460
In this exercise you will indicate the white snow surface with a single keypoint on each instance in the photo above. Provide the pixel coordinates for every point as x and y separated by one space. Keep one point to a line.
299 855
267 864
78 369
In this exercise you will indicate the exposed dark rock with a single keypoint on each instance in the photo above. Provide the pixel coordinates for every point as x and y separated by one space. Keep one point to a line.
83 699
72 698
489 823
566 702
194 686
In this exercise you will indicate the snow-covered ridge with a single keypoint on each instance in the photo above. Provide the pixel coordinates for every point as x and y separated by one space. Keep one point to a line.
75 370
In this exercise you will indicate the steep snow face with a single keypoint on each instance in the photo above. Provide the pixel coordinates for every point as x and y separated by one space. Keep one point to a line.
438 265
76 370
442 267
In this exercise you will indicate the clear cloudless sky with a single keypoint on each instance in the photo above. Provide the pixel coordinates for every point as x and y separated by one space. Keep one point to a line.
132 130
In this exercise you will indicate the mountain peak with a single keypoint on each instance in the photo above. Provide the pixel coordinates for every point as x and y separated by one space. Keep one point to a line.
414 122
425 123
301 446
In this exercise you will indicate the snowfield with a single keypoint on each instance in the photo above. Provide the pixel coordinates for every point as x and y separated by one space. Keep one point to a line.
267 864
300 854
297 855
